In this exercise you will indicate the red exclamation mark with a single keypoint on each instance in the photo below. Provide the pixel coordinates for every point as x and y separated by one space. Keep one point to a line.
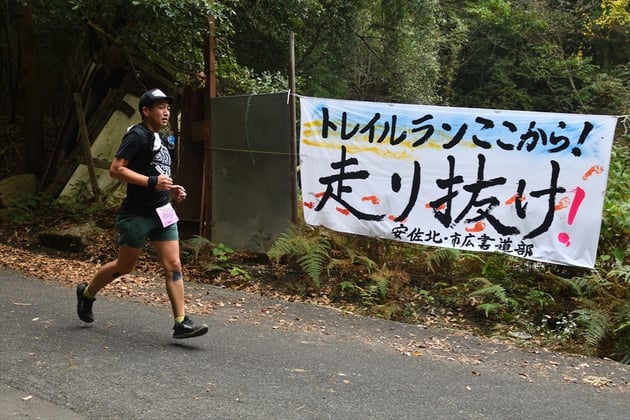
575 203
563 237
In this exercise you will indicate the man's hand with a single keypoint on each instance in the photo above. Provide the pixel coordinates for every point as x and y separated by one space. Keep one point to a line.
178 193
164 183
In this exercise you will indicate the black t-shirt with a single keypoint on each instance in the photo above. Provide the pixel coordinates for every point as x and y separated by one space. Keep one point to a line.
146 154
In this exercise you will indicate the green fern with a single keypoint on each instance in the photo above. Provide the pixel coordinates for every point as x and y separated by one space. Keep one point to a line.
348 261
597 326
435 257
489 308
620 271
357 257
586 286
348 286
311 252
497 296
368 295
622 348
382 286
494 291
283 246
381 279
622 332
313 258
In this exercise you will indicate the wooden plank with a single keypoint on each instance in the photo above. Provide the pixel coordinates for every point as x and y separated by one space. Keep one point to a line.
59 156
123 106
98 163
85 141
200 131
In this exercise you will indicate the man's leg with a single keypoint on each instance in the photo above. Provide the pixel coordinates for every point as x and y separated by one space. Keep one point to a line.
127 258
86 293
168 252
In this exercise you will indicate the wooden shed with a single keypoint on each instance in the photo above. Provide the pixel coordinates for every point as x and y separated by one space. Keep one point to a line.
233 198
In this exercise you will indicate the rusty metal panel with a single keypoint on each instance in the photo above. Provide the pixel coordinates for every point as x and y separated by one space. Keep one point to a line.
189 173
251 170
189 160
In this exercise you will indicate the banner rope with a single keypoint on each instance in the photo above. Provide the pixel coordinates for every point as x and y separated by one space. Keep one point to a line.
625 122
251 151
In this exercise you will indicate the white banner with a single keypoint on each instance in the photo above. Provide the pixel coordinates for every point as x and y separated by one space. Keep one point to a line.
528 184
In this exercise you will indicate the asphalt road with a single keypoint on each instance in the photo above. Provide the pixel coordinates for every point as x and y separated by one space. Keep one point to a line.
267 359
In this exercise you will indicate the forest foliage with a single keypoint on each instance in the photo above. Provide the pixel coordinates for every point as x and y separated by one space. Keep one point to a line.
570 56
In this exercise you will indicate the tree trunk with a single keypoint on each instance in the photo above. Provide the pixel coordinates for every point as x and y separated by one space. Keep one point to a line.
29 74
8 66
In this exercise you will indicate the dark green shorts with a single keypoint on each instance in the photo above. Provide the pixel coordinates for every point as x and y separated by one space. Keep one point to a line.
136 230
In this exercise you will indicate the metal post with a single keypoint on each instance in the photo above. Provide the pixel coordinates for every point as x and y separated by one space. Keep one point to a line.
292 136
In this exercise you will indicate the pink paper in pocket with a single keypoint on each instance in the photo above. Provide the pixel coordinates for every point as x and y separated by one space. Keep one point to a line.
167 215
